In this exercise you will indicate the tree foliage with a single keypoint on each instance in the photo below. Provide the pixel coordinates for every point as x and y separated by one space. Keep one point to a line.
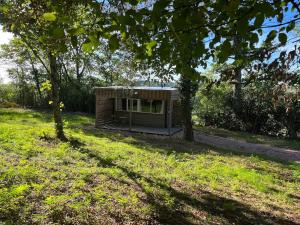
176 37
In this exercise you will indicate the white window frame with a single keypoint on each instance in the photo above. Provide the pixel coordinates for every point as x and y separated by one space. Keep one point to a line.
139 108
151 112
116 105
138 104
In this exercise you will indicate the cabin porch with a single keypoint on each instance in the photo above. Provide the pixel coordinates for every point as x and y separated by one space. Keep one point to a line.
142 129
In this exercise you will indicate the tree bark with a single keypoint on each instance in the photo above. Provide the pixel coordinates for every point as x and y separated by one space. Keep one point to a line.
237 94
54 79
291 124
36 80
188 89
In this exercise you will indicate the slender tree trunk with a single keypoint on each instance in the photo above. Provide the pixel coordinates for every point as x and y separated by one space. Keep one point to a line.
188 89
37 82
35 74
291 124
54 79
237 95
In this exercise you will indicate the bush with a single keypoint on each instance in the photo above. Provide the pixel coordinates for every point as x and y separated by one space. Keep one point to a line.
259 115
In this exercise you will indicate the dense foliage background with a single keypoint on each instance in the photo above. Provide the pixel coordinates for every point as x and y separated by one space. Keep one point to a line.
63 49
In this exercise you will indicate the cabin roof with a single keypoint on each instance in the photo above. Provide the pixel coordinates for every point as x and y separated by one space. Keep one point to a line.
140 88
160 93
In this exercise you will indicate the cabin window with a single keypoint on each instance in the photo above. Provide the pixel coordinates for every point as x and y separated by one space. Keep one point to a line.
157 106
152 106
140 105
146 105
121 104
135 105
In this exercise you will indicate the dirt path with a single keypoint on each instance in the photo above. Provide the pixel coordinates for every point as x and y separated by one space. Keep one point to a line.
242 146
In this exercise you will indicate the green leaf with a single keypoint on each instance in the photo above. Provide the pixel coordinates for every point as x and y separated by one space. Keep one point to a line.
114 43
260 18
271 36
57 32
77 31
239 62
4 9
282 38
62 47
50 16
225 51
290 27
232 6
243 26
46 86
126 20
254 38
91 44
88 47
12 27
123 35
149 46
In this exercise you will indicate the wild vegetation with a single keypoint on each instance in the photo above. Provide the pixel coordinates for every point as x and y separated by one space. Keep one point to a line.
167 38
113 178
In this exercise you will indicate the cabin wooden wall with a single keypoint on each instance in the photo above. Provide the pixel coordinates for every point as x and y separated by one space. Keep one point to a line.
177 118
104 110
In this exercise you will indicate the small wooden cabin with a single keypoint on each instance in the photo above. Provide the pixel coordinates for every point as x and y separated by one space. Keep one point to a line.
142 109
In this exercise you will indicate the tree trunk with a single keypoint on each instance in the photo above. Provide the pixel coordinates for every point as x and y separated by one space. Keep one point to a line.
35 74
37 83
291 124
55 98
237 95
188 89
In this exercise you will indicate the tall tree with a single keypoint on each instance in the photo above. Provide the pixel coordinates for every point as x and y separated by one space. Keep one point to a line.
46 27
17 53
186 34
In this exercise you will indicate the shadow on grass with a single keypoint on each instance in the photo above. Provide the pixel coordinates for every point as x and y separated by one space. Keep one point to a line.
170 145
199 202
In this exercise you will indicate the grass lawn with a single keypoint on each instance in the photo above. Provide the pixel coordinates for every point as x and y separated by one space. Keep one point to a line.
252 138
113 178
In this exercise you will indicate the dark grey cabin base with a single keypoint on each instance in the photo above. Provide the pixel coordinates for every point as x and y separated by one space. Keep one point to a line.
142 129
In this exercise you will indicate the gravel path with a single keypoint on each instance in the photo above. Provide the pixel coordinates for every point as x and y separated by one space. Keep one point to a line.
242 146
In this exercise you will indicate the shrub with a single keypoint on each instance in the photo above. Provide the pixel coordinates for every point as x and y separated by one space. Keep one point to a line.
258 115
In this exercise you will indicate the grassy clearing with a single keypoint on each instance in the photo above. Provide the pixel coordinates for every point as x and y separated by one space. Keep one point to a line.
252 138
112 178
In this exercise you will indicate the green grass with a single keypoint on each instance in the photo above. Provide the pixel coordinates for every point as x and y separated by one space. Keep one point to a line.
252 138
115 178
